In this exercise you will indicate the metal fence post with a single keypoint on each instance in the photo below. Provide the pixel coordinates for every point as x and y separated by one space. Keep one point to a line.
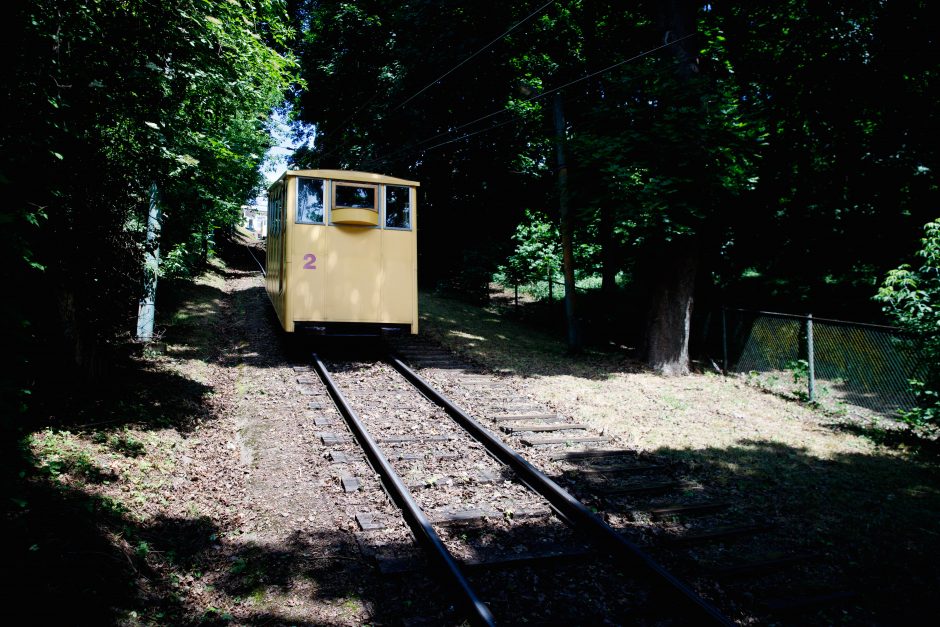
864 365
724 340
811 361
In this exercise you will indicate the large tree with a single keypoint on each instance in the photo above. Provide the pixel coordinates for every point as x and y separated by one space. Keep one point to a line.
696 134
103 99
846 92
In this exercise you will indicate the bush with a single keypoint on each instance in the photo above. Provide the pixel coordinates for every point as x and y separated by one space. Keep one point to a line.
911 296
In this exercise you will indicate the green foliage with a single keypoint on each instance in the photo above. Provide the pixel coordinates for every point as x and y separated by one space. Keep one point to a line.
537 258
60 452
841 93
105 98
911 296
799 369
142 549
538 251
184 258
126 444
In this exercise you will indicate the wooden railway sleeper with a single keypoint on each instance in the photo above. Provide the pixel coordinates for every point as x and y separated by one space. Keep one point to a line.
478 612
569 508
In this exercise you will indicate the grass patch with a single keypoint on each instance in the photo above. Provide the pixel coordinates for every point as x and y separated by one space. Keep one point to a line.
65 457
97 517
126 444
871 508
483 335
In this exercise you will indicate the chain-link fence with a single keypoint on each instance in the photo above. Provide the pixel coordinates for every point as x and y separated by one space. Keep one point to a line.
832 362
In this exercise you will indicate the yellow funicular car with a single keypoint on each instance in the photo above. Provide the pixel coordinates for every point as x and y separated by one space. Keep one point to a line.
342 255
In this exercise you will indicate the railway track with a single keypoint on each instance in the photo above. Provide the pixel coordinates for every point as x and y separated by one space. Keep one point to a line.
710 534
511 544
480 507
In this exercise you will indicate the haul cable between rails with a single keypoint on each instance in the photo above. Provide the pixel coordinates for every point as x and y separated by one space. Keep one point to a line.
260 265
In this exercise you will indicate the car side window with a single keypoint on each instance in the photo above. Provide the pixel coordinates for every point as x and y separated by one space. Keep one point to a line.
397 207
310 201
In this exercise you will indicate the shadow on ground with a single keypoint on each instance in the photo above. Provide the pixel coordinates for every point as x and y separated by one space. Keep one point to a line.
484 335
71 554
873 520
72 557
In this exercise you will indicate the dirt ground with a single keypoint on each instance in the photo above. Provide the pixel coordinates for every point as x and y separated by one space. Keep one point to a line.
190 487
193 478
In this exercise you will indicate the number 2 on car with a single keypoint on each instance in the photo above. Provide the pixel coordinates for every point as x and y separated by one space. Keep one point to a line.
309 261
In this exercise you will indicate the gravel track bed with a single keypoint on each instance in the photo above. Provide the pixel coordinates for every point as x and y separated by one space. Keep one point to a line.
482 514
390 416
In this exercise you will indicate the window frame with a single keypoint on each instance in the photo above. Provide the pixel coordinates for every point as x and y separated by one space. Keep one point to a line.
326 202
411 203
334 183
373 186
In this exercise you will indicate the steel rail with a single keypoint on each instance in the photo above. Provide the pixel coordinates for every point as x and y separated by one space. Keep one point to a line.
478 612
579 516
260 265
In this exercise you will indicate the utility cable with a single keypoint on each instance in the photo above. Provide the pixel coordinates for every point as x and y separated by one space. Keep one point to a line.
436 80
560 87
531 99
484 48
382 160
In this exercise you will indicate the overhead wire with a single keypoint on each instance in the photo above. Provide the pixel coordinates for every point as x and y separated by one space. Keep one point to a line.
435 81
471 134
531 99
484 48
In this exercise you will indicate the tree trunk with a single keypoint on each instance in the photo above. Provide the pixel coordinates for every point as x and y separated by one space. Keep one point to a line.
670 309
567 228
80 344
608 253
673 278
